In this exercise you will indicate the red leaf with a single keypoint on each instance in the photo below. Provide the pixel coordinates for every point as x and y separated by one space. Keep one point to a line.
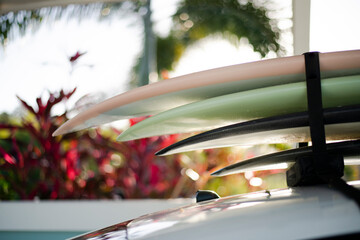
71 174
68 95
76 56
10 127
10 159
134 121
41 107
155 174
18 153
28 107
55 100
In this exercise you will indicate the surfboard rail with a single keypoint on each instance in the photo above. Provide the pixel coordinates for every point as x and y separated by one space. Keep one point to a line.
245 132
284 159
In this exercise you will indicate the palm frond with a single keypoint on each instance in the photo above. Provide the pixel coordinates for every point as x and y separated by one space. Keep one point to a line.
196 19
14 24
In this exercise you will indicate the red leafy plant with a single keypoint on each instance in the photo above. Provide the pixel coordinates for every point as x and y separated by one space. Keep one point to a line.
86 164
91 164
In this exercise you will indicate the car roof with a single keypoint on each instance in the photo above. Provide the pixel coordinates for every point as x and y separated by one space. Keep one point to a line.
292 213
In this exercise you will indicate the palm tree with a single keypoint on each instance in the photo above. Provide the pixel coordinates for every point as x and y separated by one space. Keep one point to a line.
197 19
193 21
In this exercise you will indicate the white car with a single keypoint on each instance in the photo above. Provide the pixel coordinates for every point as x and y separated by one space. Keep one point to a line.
314 212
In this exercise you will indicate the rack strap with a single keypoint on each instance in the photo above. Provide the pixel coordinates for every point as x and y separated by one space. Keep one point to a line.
315 109
314 97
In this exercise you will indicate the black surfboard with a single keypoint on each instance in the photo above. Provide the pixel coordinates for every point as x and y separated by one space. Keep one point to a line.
347 148
340 123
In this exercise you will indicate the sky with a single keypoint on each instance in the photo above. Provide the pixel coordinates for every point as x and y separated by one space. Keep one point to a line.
37 62
334 25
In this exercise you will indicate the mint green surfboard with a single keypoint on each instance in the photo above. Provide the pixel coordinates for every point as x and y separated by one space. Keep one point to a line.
244 106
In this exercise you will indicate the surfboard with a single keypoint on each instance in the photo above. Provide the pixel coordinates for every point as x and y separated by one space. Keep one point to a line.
244 106
349 149
167 94
265 130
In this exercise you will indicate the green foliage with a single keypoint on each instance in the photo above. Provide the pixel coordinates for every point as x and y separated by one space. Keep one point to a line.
351 173
4 117
197 19
20 20
169 51
13 24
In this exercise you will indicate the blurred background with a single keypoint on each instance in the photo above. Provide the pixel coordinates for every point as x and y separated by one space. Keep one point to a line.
58 60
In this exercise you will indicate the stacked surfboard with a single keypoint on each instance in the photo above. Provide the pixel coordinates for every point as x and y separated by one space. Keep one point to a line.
251 103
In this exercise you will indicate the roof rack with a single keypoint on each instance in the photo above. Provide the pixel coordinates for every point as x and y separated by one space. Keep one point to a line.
320 166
